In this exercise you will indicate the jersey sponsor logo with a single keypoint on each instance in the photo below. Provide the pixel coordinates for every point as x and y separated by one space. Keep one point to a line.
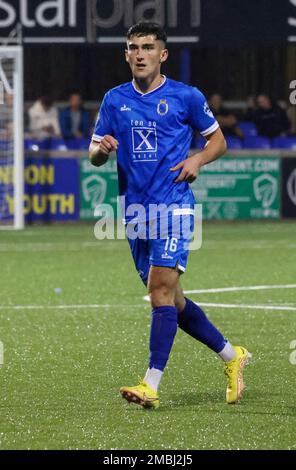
162 107
166 256
207 110
144 139
125 108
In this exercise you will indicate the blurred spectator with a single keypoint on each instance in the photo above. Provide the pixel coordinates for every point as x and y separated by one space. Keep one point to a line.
226 119
75 120
6 117
43 119
270 119
251 108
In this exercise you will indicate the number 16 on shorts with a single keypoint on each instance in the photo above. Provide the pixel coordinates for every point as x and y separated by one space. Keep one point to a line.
171 245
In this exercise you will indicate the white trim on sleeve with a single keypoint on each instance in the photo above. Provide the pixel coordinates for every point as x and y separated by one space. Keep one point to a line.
97 138
211 129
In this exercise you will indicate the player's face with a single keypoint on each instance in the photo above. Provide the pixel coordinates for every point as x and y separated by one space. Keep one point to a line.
145 56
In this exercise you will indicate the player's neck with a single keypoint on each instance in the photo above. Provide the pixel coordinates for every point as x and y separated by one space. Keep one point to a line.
148 84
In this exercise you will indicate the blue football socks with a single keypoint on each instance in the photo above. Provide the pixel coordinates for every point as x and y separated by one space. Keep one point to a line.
162 334
193 321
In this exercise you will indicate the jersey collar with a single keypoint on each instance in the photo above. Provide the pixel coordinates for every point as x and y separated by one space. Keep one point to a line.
152 91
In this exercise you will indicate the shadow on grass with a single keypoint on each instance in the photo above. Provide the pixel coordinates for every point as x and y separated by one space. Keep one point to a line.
251 403
185 399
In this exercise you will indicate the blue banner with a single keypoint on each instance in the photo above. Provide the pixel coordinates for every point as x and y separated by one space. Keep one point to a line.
51 189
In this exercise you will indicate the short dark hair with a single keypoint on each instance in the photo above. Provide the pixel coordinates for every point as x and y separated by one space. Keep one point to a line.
144 28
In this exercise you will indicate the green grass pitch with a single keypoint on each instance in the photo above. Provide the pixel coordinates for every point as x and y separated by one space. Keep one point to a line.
65 359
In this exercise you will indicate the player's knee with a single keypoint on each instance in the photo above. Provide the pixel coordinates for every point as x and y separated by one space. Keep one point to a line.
162 295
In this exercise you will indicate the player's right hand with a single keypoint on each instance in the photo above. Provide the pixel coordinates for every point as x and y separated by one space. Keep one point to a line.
108 144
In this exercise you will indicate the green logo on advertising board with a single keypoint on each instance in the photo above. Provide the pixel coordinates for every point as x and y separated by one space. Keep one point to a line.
98 186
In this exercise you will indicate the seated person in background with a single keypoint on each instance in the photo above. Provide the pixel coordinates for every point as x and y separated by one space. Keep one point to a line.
43 119
6 117
226 119
75 120
270 119
251 108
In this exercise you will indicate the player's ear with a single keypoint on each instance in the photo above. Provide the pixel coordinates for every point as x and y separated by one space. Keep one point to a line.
164 55
126 55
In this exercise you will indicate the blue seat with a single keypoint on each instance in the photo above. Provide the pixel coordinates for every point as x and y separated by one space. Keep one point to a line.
248 128
36 145
58 144
284 143
78 144
256 142
6 145
233 142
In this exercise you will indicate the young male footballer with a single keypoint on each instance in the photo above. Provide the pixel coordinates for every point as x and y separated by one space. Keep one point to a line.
149 122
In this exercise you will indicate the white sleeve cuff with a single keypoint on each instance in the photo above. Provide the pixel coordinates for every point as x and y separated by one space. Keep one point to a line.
97 138
211 129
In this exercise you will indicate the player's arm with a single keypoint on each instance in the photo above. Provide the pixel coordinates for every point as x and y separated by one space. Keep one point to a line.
214 148
99 151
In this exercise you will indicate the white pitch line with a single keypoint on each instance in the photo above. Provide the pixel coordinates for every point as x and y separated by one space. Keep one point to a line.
120 306
66 307
251 307
241 306
239 289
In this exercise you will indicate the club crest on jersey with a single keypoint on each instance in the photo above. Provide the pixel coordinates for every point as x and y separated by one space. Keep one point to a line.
162 107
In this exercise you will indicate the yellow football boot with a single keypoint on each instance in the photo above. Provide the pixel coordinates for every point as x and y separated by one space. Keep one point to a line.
141 394
234 374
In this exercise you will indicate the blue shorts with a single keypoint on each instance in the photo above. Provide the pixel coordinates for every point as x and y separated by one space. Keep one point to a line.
168 250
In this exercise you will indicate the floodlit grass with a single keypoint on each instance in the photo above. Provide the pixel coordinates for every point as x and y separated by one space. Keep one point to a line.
63 367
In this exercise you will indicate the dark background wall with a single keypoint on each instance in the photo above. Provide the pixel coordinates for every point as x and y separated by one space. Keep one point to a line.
236 72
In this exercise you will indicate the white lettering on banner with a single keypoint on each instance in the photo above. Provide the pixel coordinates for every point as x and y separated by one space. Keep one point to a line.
73 13
292 21
41 14
131 13
25 19
10 12
57 20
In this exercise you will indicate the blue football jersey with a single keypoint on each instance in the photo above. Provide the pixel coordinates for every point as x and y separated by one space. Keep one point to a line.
154 131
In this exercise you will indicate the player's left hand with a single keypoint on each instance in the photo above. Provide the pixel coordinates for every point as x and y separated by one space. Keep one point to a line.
190 169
